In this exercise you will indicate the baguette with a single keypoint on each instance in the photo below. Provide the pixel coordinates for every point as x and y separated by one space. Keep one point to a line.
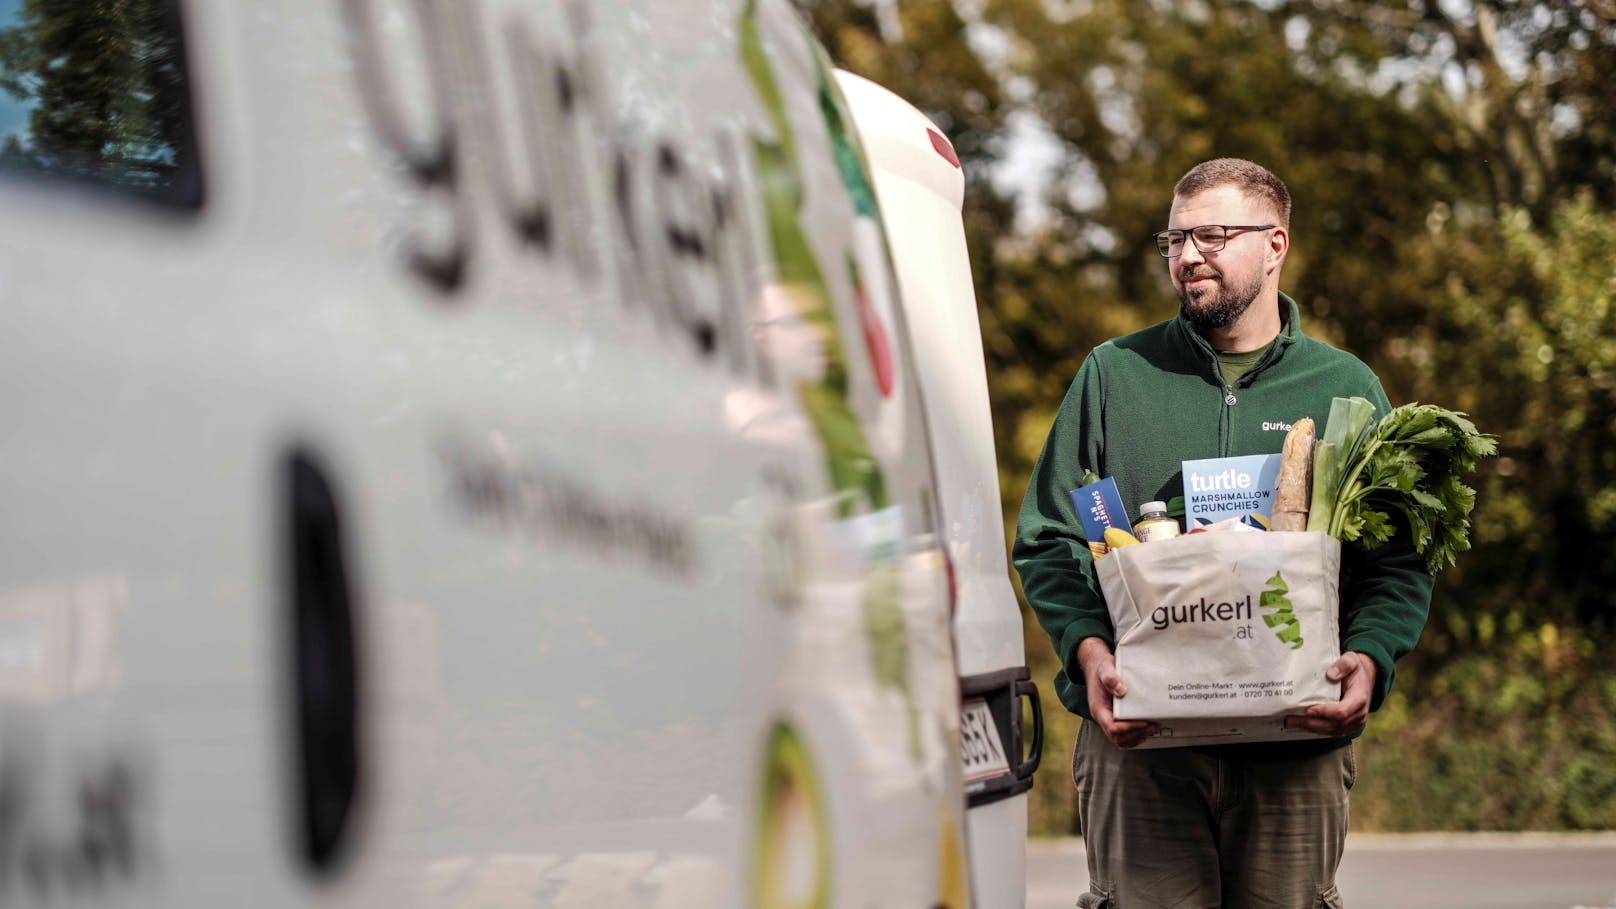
1295 477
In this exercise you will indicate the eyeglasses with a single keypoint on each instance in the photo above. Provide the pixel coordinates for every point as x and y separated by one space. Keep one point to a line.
1208 237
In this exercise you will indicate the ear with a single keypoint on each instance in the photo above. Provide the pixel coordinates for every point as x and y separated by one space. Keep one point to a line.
1279 243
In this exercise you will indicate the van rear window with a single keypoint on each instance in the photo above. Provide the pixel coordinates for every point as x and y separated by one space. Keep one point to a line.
96 91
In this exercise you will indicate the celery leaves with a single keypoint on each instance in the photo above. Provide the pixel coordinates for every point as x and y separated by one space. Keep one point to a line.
1410 464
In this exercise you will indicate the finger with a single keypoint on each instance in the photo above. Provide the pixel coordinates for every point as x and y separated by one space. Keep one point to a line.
1329 726
1315 725
1344 666
1336 710
1125 733
1100 710
1360 685
1133 737
1112 680
1132 741
1355 708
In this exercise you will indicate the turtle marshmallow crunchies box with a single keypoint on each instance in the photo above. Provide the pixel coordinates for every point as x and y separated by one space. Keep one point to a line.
1220 488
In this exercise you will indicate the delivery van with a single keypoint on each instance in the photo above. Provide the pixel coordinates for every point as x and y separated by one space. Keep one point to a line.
473 453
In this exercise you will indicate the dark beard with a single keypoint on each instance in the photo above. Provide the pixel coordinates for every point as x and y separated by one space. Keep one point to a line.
1227 305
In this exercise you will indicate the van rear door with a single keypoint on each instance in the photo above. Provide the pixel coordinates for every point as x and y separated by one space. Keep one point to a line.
921 187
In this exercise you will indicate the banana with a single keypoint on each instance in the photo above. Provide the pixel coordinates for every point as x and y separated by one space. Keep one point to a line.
1116 538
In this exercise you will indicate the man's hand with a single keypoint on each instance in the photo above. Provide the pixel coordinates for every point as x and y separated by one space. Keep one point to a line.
1356 672
1104 684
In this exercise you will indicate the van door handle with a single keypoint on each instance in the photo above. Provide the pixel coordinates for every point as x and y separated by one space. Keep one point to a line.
1035 751
321 652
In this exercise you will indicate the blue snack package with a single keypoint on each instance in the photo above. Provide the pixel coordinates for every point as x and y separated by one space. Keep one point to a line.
1099 505
1219 488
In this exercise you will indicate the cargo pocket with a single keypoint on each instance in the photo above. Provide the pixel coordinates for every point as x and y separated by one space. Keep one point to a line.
1351 763
1095 898
1330 898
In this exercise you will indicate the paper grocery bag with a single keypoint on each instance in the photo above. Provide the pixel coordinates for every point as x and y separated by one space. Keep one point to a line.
1230 626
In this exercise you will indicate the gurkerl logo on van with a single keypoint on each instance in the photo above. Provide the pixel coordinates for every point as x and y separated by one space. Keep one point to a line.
1278 613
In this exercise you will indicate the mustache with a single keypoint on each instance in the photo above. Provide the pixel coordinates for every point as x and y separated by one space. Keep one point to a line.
1190 273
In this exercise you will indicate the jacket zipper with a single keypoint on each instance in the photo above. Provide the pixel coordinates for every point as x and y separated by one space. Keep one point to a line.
1226 427
1229 400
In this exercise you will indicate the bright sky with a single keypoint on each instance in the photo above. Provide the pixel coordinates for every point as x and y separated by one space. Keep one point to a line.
13 113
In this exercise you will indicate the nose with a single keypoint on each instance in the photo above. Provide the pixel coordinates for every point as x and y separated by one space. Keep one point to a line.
1191 254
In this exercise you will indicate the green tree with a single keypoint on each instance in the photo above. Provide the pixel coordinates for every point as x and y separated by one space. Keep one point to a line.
105 83
1520 92
1521 330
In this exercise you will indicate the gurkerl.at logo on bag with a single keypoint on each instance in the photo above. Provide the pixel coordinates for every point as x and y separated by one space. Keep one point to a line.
1165 617
1280 615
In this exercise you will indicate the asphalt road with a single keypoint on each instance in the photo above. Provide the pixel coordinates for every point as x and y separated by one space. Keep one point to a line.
1415 871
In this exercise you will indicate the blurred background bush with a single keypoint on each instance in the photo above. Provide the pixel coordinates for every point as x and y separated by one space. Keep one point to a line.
1453 165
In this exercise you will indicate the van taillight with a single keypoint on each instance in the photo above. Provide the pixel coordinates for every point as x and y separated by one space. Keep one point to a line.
943 146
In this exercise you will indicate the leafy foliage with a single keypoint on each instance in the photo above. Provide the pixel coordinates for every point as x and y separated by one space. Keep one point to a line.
1515 733
104 84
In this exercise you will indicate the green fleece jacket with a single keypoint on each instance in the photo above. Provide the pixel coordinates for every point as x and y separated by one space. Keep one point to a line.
1143 403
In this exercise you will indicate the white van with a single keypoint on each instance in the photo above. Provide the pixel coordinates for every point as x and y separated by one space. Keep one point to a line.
469 453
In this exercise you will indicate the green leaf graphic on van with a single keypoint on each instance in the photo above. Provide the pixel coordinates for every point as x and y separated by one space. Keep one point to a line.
844 142
852 470
1281 616
886 630
855 475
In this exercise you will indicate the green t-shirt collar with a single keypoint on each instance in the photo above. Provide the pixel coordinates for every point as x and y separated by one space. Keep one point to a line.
1235 364
1289 329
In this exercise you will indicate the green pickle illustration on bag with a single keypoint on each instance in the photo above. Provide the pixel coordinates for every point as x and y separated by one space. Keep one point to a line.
1281 616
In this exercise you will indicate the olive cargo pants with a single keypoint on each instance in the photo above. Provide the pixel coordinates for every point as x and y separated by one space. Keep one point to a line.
1177 828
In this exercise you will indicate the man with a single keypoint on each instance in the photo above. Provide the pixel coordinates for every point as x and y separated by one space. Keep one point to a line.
1252 825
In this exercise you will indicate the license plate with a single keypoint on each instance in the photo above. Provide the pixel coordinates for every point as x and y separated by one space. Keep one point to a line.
980 748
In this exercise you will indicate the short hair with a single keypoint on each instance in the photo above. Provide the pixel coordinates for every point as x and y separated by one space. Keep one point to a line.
1248 177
